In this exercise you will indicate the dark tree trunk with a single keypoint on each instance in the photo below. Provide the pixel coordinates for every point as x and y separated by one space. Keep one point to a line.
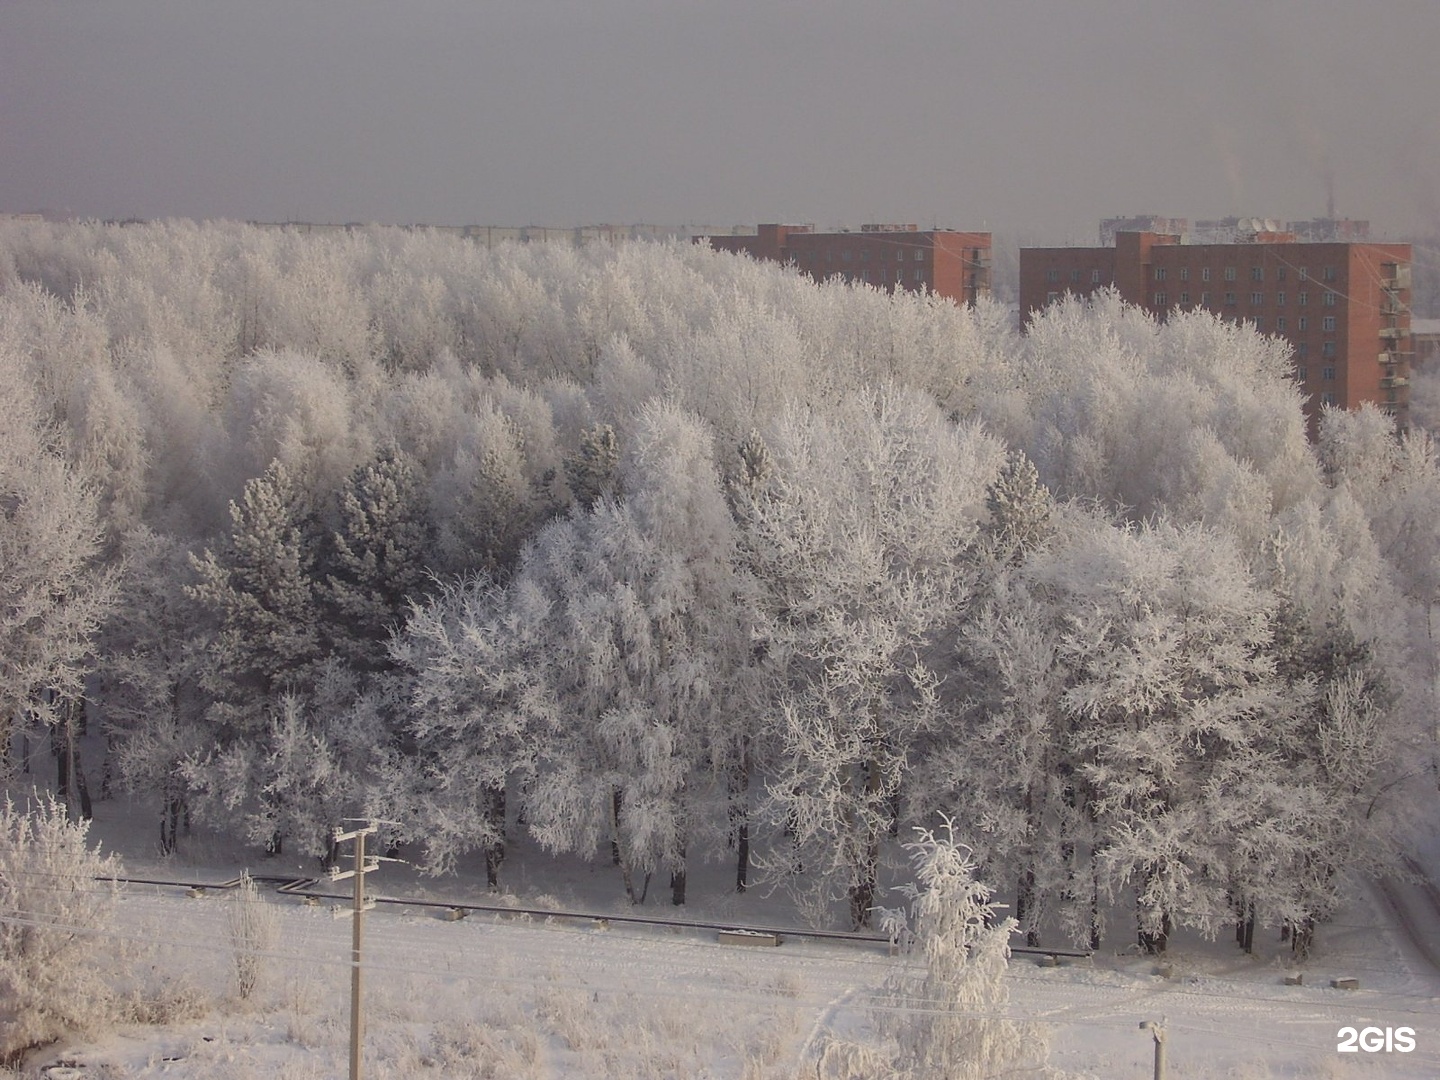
1302 938
495 851
1154 942
169 825
862 899
617 801
677 887
1245 924
1025 913
742 857
862 892
739 812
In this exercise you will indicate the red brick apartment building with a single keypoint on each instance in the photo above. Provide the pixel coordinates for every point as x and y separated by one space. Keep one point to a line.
1343 307
890 257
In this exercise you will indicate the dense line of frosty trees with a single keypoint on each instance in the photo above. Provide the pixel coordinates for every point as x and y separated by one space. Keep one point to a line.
662 555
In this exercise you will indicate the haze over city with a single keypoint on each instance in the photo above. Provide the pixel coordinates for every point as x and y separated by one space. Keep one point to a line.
1035 118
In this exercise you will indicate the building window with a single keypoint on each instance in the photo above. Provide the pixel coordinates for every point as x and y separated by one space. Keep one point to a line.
1329 299
1229 273
1075 276
1280 324
919 274
1279 299
1329 273
1257 273
1327 399
1302 349
1327 323
1327 348
1304 274
1328 374
1050 275
1302 323
1230 299
1184 273
1302 298
844 256
1204 299
1204 273
1280 273
1050 298
1185 298
1159 299
1303 373
1094 277
1257 298
919 255
1259 322
1159 273
865 274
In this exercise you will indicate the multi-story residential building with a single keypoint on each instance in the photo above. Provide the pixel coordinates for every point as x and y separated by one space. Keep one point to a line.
889 257
1343 307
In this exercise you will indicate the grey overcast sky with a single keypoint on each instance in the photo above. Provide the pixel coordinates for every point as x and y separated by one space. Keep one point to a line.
1031 116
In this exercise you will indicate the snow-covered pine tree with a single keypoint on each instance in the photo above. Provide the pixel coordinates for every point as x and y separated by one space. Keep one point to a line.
379 558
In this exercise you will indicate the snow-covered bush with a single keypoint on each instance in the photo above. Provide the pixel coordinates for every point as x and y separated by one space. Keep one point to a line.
950 1017
253 929
56 911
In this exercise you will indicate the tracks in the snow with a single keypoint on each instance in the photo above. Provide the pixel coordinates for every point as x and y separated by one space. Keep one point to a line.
1416 907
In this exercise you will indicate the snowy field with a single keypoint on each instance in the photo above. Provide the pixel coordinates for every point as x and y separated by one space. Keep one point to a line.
516 996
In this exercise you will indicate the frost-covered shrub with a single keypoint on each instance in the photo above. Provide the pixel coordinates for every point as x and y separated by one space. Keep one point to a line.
56 910
253 929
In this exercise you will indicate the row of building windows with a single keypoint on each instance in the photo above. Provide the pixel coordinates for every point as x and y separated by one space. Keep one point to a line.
1327 373
1257 273
1327 323
847 255
1257 299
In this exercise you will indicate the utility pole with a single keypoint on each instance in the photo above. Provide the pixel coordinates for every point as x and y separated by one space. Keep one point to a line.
363 866
1157 1029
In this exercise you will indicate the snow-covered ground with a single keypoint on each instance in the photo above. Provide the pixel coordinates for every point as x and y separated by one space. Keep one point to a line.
522 996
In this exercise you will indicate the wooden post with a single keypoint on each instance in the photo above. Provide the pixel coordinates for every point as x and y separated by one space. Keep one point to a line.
357 1018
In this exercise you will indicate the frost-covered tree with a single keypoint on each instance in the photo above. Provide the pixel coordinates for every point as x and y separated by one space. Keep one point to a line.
495 489
649 639
478 707
54 590
379 560
261 586
862 540
1170 689
1004 759
592 470
152 701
